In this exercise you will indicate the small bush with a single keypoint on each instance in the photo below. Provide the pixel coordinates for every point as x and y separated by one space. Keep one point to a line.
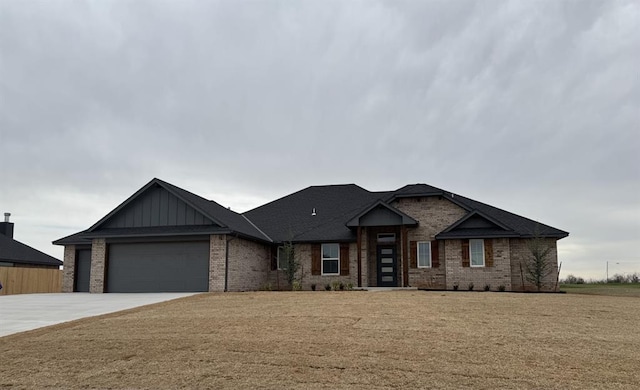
618 278
455 287
579 281
349 286
470 286
327 287
487 287
313 287
341 286
266 287
296 285
501 288
335 285
634 278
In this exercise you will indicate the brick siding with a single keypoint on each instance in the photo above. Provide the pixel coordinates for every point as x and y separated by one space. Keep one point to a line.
249 265
68 268
496 276
98 260
434 214
520 253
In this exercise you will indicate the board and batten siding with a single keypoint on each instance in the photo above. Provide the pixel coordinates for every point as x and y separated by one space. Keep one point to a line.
157 207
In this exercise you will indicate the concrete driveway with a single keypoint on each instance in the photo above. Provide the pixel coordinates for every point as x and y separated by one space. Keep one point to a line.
22 312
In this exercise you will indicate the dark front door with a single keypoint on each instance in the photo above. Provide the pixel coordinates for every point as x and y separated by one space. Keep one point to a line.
387 266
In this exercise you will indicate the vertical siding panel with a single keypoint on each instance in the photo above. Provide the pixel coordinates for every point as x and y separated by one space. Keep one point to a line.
130 215
191 216
164 209
154 217
137 207
172 209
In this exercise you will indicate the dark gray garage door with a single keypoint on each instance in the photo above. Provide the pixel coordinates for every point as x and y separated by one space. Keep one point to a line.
158 267
83 270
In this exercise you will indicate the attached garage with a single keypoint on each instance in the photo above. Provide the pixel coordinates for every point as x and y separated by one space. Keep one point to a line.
158 267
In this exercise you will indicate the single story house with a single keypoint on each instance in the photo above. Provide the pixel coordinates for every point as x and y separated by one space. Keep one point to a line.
164 238
13 253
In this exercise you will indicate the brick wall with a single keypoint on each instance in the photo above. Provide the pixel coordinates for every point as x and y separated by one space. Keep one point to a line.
520 254
303 255
498 275
434 214
68 268
98 260
249 265
217 256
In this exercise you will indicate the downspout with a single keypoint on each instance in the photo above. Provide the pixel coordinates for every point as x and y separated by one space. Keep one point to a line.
226 262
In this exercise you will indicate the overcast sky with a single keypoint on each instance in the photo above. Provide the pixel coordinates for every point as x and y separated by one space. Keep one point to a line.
530 106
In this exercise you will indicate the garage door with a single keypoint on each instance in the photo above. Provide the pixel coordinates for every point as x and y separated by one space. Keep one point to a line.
158 267
83 270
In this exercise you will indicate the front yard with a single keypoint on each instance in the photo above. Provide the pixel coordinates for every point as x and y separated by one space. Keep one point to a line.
361 340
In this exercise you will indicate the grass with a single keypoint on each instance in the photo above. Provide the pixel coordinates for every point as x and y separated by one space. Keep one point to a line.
613 289
321 340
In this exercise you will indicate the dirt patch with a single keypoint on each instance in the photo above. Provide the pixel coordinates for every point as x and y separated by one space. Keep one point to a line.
402 339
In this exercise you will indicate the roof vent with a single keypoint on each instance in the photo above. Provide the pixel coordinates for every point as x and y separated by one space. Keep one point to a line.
313 212
6 217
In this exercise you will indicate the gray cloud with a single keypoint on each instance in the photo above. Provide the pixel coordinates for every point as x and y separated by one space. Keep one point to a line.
530 106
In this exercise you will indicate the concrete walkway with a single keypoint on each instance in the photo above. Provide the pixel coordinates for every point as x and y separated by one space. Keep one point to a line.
22 312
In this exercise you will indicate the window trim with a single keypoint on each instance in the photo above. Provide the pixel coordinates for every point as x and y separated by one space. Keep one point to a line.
471 253
322 260
430 262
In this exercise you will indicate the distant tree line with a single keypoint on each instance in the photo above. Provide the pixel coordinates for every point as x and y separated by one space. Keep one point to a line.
617 278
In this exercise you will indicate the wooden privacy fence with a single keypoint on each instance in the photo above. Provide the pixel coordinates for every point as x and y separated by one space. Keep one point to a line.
18 280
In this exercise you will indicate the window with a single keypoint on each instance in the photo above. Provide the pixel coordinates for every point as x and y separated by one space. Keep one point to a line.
282 259
476 252
386 238
424 254
330 259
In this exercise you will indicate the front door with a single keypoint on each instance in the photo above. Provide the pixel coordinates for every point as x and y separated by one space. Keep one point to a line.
387 266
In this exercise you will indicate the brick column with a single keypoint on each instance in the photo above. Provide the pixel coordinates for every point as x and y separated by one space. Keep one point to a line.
68 268
217 256
98 259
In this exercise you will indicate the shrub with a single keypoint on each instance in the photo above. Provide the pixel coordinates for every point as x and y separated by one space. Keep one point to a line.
335 285
455 287
634 278
313 287
471 286
501 288
349 286
296 285
266 287
487 287
341 286
327 287
580 281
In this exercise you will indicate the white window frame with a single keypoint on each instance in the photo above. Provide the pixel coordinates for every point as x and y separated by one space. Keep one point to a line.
428 254
280 250
481 241
322 260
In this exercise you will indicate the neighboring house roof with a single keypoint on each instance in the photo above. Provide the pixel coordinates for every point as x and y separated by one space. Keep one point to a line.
13 251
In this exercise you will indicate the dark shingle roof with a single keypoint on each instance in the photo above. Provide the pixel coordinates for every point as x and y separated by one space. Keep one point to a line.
230 222
16 252
289 218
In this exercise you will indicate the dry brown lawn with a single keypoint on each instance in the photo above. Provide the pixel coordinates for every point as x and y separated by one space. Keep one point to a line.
360 340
